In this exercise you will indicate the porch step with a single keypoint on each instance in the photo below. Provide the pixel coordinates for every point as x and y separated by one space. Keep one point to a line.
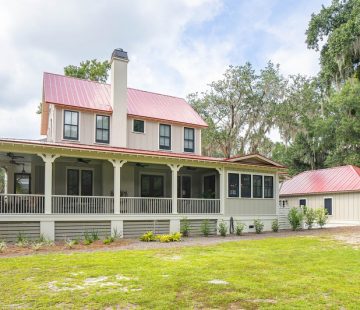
76 230
10 230
134 229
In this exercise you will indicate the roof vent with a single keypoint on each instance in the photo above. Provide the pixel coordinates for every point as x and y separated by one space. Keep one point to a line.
120 54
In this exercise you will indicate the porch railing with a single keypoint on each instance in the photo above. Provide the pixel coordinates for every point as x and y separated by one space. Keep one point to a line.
145 205
82 204
22 204
198 206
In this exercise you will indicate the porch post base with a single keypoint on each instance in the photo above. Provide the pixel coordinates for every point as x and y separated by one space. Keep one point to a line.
118 227
47 229
174 226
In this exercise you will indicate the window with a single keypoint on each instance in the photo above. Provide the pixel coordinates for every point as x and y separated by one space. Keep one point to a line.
71 125
138 126
189 140
152 185
257 186
79 182
102 129
165 137
184 186
328 205
246 185
233 185
268 186
209 186
302 202
22 183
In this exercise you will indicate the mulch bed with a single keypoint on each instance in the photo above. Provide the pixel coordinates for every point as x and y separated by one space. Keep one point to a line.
134 244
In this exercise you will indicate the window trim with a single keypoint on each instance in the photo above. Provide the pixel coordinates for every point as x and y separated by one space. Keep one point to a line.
332 205
193 140
132 126
80 168
306 201
250 173
78 126
96 129
170 144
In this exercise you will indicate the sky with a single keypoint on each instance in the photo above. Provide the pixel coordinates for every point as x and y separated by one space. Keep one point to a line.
175 47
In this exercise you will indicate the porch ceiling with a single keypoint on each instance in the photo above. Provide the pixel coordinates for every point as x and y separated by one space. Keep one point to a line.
106 153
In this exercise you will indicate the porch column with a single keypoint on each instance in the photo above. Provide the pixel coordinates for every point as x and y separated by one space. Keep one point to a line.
174 170
222 189
117 163
48 160
277 192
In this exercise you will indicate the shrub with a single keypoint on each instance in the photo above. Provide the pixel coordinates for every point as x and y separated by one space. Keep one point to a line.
87 238
94 235
295 218
310 217
148 236
321 217
185 227
108 240
239 228
170 237
259 226
3 246
275 225
205 228
21 240
36 246
45 241
70 243
116 235
223 228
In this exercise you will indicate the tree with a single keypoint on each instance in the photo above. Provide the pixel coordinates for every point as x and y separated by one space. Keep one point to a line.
337 29
92 70
344 120
239 110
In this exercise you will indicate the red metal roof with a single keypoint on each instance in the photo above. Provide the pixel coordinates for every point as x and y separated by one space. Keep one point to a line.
83 94
337 179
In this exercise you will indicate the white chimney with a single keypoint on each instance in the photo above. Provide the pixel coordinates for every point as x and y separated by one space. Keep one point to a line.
119 61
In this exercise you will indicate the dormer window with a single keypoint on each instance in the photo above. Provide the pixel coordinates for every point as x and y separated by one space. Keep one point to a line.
164 137
102 129
138 126
189 140
71 125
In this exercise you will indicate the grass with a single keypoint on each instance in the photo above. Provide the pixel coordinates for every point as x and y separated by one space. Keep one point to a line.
285 273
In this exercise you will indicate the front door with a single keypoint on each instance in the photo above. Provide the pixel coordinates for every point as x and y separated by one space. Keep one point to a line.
152 185
209 186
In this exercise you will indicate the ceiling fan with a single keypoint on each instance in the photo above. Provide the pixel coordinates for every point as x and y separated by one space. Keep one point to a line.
13 156
83 160
141 165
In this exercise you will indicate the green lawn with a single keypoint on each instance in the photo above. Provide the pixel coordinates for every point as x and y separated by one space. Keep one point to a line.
297 272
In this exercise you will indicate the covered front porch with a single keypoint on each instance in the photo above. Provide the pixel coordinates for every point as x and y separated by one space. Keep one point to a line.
45 183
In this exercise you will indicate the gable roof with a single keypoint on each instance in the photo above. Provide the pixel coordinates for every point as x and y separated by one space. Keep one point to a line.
256 159
89 95
337 179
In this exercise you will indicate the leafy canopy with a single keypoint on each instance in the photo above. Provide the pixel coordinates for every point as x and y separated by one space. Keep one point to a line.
92 70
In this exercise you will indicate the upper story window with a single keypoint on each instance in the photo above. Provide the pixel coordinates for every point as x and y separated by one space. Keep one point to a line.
102 129
257 186
189 139
268 186
233 185
138 126
71 125
165 137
